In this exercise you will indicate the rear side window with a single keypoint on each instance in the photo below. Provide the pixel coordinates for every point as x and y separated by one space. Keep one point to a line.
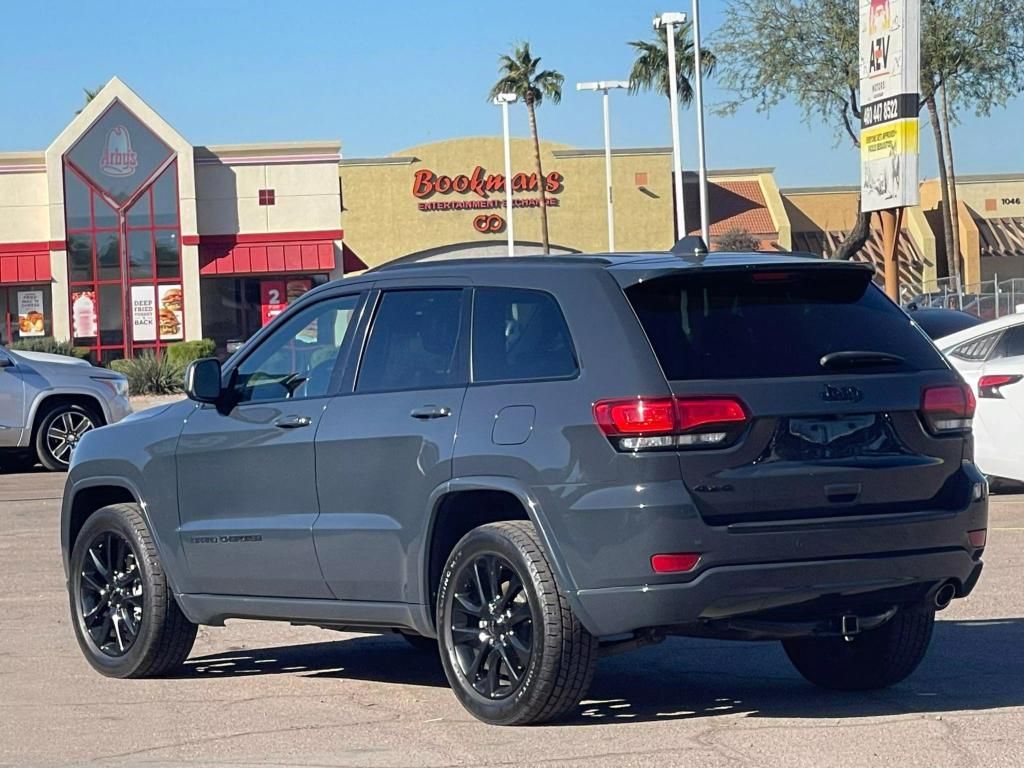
519 334
1012 343
414 342
976 349
727 324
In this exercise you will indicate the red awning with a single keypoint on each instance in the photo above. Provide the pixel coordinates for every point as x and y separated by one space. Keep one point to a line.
24 263
279 252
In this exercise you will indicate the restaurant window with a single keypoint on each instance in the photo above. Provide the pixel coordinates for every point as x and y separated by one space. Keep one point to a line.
123 239
235 307
26 313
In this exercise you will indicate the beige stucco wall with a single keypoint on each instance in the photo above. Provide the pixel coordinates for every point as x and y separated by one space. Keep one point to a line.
827 209
228 180
23 203
382 221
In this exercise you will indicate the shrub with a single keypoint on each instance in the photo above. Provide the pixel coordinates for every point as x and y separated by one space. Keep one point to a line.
149 375
184 352
736 239
53 346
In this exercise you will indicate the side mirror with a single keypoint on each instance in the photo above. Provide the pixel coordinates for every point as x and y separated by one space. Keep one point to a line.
5 361
202 380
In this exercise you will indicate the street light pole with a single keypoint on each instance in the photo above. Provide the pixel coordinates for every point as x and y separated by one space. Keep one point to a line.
703 172
604 86
669 21
504 99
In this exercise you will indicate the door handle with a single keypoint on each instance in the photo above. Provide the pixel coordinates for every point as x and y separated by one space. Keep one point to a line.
431 412
293 422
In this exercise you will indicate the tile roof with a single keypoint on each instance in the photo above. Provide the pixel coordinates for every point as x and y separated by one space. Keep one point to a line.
731 205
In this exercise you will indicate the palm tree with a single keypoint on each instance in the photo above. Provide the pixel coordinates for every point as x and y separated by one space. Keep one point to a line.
89 96
519 75
650 68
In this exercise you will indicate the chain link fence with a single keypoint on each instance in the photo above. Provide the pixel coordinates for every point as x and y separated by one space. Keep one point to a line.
988 299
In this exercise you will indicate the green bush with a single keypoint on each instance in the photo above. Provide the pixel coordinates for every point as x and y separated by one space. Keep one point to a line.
53 346
149 375
184 352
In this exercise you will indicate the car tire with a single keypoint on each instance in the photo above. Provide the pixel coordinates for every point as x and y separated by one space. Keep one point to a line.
70 419
114 555
512 649
873 659
420 643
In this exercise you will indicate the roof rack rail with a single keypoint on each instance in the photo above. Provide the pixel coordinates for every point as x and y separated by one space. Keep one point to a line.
691 245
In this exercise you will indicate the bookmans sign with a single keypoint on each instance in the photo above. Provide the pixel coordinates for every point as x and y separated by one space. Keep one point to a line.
890 71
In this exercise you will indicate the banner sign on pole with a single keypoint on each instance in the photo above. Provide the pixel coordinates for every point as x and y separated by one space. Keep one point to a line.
890 81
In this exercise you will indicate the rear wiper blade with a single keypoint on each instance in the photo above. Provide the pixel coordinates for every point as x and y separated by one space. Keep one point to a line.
852 358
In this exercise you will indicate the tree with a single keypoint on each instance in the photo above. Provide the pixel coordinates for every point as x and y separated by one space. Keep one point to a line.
976 46
519 75
737 240
650 68
89 96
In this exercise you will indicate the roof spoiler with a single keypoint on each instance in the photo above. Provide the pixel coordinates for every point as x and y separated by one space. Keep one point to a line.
691 245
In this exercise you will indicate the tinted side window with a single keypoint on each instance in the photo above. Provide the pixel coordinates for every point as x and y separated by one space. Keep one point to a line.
976 349
297 360
519 334
1012 343
414 342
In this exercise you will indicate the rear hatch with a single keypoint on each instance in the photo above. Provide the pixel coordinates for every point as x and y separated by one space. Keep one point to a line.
801 391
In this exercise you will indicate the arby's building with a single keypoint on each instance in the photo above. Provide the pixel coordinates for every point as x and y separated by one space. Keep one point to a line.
122 236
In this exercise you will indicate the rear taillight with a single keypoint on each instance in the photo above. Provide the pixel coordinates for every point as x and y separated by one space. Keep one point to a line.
948 409
988 386
643 424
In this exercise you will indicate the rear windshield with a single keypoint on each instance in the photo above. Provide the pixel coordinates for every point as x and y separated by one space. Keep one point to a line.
740 324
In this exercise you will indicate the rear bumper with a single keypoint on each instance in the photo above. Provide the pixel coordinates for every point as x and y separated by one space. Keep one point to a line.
725 592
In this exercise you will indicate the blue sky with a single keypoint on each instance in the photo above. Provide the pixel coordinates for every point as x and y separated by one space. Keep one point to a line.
385 77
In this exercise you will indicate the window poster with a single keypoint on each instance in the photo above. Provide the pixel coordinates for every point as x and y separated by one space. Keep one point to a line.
171 312
31 316
273 299
83 314
143 313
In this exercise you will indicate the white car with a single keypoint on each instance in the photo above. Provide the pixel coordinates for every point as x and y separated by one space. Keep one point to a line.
990 357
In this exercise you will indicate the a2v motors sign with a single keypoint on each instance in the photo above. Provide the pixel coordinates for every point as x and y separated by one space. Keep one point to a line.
890 74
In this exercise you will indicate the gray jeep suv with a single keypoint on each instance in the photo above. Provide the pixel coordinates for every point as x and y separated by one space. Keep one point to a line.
540 460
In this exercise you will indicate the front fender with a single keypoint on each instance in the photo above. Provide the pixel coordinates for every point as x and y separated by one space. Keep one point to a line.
43 394
73 487
138 455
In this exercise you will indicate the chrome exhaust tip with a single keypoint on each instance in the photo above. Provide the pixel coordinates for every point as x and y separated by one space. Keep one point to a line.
945 594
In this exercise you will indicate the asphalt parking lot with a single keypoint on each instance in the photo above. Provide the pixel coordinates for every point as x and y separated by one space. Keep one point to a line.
259 694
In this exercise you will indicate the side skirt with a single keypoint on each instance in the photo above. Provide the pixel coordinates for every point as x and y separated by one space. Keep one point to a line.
214 609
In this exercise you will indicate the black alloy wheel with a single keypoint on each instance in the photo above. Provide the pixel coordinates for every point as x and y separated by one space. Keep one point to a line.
492 626
512 649
111 594
123 610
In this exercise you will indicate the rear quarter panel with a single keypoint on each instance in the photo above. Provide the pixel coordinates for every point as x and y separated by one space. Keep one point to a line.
595 503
